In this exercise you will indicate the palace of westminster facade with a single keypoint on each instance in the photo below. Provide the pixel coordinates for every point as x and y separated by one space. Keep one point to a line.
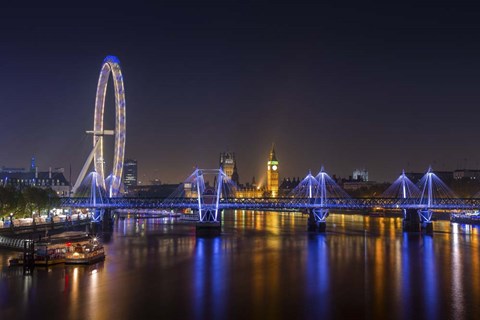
273 188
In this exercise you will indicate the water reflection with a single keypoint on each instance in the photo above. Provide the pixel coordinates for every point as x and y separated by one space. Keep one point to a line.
265 265
209 278
430 278
403 278
317 276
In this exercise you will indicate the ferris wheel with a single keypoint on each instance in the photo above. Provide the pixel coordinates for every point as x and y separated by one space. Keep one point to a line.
111 65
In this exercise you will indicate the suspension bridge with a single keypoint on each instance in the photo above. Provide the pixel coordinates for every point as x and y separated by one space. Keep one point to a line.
208 192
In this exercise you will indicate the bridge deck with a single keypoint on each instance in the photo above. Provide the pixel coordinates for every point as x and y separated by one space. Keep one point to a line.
277 204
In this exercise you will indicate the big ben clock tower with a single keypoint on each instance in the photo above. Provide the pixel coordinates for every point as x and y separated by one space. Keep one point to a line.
272 174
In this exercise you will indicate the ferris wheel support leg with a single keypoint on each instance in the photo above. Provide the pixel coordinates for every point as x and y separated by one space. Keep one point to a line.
84 170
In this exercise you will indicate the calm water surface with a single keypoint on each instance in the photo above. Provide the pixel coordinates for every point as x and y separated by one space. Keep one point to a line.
264 266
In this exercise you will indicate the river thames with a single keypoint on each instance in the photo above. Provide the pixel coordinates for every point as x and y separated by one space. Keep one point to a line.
263 266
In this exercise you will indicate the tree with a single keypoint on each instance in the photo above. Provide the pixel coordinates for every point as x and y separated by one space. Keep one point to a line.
33 199
52 199
37 199
11 201
6 196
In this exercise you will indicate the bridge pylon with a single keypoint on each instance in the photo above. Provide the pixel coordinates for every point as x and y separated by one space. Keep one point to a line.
318 216
208 199
425 214
318 190
403 188
432 189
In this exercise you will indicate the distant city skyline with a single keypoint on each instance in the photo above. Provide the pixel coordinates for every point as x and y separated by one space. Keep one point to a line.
244 178
381 87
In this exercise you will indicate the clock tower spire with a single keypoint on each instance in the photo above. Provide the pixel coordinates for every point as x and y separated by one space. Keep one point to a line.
272 173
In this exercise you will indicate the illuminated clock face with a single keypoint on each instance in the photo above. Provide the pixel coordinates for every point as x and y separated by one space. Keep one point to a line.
274 168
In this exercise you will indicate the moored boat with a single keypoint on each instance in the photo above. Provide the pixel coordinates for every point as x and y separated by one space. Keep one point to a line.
48 254
68 247
84 252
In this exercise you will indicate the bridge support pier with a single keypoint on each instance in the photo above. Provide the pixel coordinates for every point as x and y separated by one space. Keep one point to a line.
102 220
425 216
417 221
208 229
107 220
210 225
320 227
317 220
97 215
427 227
411 220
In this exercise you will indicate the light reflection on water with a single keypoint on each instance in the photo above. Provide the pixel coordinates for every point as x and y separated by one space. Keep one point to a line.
265 265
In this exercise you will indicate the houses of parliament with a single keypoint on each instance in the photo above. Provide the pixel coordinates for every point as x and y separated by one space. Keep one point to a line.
273 188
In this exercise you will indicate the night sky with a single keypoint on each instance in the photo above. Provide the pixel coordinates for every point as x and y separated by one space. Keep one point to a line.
352 86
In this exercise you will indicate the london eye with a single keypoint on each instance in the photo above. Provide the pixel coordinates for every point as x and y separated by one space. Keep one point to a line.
111 65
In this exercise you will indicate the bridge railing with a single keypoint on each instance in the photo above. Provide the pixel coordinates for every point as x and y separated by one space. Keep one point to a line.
130 202
275 203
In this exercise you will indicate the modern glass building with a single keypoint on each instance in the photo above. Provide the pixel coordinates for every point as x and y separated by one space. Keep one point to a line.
130 173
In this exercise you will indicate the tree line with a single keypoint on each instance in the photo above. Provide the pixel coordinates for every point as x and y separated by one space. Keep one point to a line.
26 201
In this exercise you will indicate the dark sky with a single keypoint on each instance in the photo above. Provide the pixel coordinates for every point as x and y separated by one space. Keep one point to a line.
384 87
